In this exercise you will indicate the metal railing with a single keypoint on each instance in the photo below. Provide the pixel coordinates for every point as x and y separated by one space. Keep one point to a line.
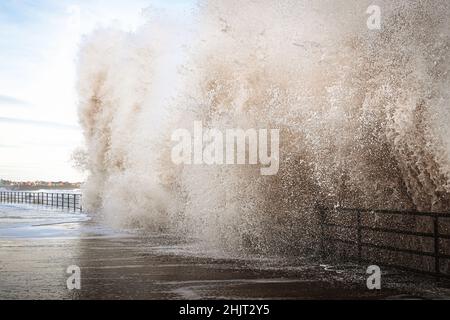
363 229
64 201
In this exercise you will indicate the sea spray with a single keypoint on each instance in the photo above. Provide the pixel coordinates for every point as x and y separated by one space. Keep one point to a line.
363 117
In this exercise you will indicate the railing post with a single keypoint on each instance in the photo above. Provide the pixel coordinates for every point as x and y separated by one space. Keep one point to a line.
359 235
322 230
437 267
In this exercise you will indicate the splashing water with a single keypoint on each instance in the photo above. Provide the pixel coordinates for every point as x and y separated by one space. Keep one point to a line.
363 116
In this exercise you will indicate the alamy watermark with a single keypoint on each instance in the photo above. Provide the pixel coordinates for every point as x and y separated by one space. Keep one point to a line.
234 146
74 280
374 280
374 19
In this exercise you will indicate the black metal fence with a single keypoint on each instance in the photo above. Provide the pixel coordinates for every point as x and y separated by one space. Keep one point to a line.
359 223
64 201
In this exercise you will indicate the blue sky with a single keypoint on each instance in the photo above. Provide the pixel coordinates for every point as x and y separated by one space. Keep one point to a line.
38 48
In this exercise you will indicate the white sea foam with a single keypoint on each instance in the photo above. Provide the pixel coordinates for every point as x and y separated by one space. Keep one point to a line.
363 116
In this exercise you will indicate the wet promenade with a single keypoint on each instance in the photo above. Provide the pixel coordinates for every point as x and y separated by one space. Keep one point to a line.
37 247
